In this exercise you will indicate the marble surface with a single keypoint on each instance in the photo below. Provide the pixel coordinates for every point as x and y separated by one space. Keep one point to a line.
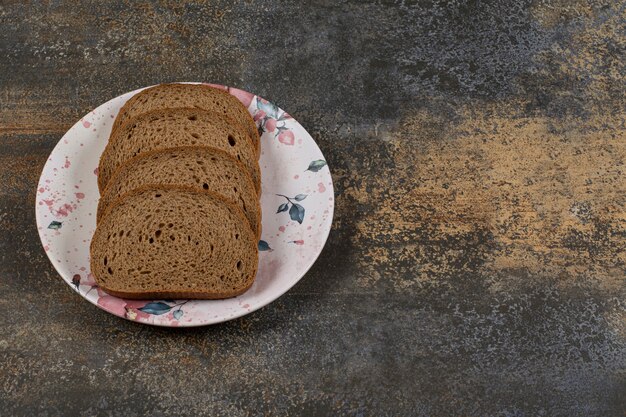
476 264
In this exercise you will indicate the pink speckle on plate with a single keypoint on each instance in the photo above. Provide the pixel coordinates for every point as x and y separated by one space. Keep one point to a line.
286 137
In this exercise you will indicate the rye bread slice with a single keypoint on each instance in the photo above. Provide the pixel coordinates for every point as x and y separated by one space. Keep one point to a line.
201 96
173 242
199 167
162 129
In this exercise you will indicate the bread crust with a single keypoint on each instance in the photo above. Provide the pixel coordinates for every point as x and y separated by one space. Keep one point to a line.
122 170
118 134
191 294
250 126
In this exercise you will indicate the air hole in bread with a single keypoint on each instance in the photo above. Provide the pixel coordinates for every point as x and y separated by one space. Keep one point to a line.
170 225
235 189
239 265
157 233
110 271
151 240
172 237
193 118
205 186
236 235
161 224
231 140
195 135
157 195
239 157
106 260
211 246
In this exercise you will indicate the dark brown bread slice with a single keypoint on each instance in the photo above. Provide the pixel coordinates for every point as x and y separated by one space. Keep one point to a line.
162 129
173 242
199 167
201 96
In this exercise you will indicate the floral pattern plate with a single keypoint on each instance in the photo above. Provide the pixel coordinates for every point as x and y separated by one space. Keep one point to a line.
297 202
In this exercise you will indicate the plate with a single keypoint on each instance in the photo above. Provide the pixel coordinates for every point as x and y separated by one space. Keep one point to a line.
294 175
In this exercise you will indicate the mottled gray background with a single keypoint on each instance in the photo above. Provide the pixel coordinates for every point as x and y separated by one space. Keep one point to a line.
476 265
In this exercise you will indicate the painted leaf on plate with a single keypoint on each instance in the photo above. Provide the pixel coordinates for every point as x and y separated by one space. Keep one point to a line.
315 166
300 197
270 109
264 246
296 212
177 314
156 308
76 280
283 207
55 225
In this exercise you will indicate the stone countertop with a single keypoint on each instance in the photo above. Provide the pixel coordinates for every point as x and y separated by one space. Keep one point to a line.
476 264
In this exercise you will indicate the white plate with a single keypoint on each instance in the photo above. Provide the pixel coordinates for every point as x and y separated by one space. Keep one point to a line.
294 172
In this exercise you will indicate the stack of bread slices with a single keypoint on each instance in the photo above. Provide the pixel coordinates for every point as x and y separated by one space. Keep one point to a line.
179 181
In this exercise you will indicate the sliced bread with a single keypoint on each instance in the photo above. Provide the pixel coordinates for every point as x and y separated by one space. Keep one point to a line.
199 167
173 242
162 129
189 95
